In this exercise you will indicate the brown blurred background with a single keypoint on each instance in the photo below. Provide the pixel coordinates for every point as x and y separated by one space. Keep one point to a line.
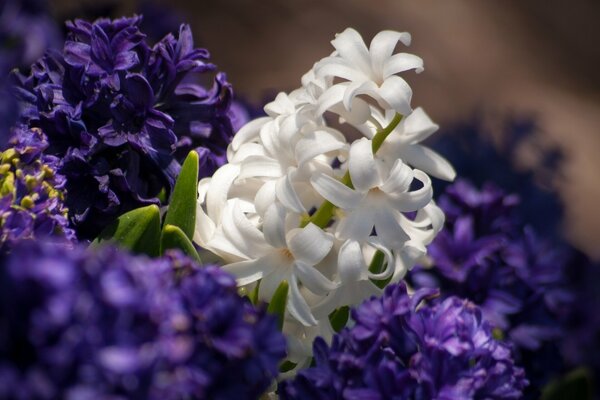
496 58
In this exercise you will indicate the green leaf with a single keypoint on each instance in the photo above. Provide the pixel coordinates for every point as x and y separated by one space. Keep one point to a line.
137 230
576 385
174 238
279 301
377 265
339 318
182 207
253 295
286 366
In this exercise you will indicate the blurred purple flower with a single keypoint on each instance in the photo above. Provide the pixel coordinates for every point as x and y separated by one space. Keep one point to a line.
26 32
519 280
401 349
101 323
122 116
31 192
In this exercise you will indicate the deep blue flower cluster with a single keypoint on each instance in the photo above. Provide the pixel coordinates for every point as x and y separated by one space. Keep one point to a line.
402 349
122 115
520 281
31 192
100 323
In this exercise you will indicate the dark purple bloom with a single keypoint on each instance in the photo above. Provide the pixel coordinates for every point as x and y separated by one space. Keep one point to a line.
31 192
519 280
122 115
100 323
397 350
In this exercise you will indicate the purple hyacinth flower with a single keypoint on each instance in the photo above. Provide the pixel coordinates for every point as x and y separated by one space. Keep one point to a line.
400 348
101 323
122 115
519 280
31 192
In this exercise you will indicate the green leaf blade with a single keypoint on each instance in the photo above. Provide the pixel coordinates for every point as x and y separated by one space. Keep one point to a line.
279 302
137 230
174 238
182 207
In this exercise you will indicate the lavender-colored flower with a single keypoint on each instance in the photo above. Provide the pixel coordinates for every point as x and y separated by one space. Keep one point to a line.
31 192
122 115
519 280
89 324
397 350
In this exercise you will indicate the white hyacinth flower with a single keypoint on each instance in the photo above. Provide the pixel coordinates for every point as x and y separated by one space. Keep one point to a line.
371 72
378 197
281 255
404 143
298 203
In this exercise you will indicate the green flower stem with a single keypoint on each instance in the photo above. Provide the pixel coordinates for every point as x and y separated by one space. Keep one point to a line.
325 212
380 136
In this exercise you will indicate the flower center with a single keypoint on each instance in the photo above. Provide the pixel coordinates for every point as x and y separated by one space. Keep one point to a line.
287 254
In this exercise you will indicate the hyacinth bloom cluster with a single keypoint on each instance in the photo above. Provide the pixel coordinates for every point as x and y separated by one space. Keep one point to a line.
122 115
298 202
518 279
31 192
90 324
401 349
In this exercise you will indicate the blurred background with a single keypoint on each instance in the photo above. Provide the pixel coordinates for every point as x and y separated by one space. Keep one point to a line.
489 62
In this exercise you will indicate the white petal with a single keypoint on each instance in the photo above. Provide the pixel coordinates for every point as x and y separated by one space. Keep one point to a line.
316 143
312 279
216 196
274 225
390 263
399 179
427 160
396 94
338 67
265 196
241 232
205 227
351 263
297 305
309 244
281 105
287 195
248 132
357 224
417 126
402 62
250 271
336 192
407 258
332 100
260 166
350 46
246 150
362 166
329 304
416 199
270 283
388 228
383 45
269 138
357 88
